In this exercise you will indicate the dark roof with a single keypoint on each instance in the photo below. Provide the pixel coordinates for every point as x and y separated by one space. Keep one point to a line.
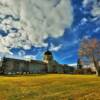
21 60
48 53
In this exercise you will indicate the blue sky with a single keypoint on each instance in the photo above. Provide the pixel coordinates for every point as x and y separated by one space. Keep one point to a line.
85 24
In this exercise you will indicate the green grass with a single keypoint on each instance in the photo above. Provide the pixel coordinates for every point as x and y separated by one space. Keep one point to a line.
50 87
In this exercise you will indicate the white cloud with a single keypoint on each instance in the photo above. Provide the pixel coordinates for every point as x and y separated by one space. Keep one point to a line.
86 2
86 36
37 20
30 57
96 6
73 64
96 10
21 53
97 29
67 57
55 48
83 21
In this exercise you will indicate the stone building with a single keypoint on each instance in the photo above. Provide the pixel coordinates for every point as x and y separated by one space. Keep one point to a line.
17 66
52 65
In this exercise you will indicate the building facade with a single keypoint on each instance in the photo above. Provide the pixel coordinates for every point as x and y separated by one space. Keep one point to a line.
16 66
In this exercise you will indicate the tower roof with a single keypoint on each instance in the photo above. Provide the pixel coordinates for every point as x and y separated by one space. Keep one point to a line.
47 53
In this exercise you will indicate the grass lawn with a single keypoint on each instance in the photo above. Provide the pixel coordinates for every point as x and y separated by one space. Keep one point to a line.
50 87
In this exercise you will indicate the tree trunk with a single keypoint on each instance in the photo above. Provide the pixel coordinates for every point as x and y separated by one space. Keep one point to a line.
97 67
98 72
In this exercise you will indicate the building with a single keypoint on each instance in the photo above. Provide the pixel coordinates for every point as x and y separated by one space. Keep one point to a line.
16 66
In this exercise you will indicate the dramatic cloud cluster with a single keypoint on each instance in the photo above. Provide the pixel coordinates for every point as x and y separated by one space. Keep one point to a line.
32 21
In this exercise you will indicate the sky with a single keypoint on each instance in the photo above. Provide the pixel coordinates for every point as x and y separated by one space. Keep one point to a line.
30 27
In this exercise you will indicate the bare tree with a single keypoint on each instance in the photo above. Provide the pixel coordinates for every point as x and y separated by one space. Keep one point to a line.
90 48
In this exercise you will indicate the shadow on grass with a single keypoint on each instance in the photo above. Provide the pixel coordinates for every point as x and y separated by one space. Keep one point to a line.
21 75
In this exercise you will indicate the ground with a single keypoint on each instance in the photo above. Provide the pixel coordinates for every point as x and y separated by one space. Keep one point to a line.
50 87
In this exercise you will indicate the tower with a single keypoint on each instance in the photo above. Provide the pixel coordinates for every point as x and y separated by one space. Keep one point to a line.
48 57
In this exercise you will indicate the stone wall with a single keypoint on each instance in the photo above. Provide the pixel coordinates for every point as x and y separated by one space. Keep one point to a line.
14 66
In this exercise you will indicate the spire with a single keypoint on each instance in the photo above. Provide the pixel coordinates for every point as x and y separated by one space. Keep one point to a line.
48 53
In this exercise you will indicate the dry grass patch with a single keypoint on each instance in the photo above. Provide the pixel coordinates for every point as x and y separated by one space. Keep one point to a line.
50 87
